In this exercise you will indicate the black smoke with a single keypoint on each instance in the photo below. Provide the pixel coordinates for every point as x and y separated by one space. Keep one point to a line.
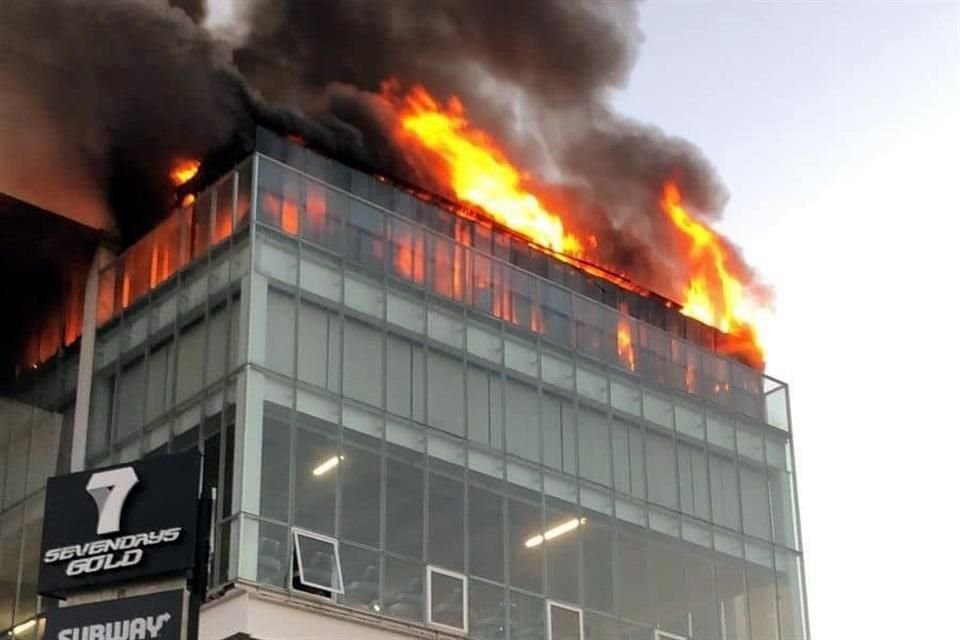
98 98
537 74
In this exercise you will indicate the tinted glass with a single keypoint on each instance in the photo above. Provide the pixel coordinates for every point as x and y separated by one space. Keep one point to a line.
564 623
446 600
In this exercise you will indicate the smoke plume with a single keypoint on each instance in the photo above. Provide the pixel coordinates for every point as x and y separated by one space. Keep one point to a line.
535 73
98 98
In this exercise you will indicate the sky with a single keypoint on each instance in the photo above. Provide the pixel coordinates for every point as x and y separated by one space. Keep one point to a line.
836 128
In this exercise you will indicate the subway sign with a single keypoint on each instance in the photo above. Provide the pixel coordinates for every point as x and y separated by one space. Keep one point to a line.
120 524
156 616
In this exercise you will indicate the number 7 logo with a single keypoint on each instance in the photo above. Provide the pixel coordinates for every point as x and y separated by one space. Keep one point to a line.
109 489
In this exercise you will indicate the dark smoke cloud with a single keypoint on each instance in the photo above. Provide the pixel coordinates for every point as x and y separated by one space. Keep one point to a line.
536 73
123 88
99 97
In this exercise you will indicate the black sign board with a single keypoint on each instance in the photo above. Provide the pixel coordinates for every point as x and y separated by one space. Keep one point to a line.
120 524
157 616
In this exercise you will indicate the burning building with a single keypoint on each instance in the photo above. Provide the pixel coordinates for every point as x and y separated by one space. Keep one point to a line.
436 394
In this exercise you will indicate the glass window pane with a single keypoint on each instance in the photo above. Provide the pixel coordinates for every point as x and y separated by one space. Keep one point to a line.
313 337
780 476
486 534
280 334
733 600
321 222
598 566
404 527
217 344
275 463
315 483
559 434
488 610
763 608
560 540
362 363
790 596
445 545
223 215
30 558
694 493
564 623
725 492
159 381
360 496
403 589
400 376
526 563
130 399
361 577
190 361
702 597
597 627
447 599
445 401
483 405
670 590
523 421
279 196
593 436
10 532
620 445
272 555
754 498
634 574
526 617
317 563
661 467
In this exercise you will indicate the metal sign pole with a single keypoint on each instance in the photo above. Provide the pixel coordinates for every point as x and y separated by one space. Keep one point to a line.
199 578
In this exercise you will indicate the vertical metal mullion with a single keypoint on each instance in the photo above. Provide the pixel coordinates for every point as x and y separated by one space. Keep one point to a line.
207 320
801 563
465 396
384 379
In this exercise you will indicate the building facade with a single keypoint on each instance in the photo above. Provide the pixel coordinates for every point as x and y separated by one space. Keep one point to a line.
417 426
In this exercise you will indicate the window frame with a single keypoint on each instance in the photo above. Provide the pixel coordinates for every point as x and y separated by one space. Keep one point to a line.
428 596
296 562
561 605
660 634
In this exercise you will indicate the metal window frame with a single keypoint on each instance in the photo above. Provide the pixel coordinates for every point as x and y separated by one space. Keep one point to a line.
297 532
562 605
660 634
428 593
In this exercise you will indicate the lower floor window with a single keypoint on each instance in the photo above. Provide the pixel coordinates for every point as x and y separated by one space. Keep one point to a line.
446 598
564 622
316 564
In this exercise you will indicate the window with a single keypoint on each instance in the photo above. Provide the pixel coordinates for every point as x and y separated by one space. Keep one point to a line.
316 567
445 401
362 363
665 635
446 599
564 622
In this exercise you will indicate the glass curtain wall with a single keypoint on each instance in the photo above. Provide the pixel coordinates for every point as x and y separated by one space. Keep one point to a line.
424 404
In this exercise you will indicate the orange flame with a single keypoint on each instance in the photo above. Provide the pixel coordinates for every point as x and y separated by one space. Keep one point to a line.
625 344
480 173
183 171
714 295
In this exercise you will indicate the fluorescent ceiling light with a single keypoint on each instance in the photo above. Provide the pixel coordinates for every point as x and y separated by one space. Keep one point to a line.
24 626
326 465
550 534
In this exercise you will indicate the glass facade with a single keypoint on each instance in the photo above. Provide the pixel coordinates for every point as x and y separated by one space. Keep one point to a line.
443 426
